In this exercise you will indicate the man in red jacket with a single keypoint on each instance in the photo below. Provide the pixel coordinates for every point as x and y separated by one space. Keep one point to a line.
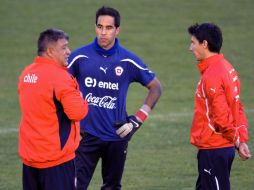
219 122
51 107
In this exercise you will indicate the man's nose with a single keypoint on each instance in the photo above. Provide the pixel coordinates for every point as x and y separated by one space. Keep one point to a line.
103 31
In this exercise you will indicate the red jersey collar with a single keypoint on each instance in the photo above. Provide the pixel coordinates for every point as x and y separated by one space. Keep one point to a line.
204 64
40 59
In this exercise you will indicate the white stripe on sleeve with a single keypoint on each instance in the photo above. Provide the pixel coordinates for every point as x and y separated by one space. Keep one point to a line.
138 66
75 58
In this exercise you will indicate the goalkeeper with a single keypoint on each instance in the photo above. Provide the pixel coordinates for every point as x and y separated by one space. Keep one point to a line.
104 71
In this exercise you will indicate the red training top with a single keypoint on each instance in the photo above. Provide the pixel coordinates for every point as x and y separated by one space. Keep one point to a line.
219 118
51 107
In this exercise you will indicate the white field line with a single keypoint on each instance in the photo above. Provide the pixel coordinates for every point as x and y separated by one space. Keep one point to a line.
177 115
8 130
170 116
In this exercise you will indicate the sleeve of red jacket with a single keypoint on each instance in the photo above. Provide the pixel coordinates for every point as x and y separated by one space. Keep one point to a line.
75 107
219 101
242 124
236 106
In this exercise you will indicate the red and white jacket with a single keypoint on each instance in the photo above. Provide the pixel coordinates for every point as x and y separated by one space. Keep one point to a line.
51 108
219 118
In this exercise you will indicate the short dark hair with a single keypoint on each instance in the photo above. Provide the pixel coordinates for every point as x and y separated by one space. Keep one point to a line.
48 36
104 10
209 32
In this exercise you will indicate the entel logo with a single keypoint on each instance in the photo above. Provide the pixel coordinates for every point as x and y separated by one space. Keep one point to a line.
30 78
92 82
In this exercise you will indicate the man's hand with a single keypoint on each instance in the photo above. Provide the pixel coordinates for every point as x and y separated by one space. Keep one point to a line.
124 130
244 151
129 128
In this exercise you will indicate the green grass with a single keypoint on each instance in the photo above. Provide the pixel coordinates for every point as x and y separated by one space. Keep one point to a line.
160 156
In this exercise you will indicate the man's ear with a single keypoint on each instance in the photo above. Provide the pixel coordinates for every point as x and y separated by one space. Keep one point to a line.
118 29
205 44
49 51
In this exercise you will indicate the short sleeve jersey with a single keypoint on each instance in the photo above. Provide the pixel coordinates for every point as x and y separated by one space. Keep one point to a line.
104 78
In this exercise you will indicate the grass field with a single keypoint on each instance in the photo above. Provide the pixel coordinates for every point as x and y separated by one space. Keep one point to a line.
160 156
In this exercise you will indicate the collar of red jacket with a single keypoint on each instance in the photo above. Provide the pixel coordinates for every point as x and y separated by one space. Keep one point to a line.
204 64
40 59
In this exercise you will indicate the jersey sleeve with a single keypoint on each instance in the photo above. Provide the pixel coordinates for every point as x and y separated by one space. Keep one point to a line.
139 72
72 65
67 92
243 125
74 62
236 106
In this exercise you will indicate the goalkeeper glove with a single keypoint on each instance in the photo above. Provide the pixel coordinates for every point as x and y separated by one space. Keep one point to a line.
129 128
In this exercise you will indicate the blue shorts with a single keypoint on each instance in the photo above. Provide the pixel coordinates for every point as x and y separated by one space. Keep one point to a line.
57 177
112 154
214 166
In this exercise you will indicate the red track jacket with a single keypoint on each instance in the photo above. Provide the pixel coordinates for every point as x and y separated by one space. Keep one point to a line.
219 118
51 107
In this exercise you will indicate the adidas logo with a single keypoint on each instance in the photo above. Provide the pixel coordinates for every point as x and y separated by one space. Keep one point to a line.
30 78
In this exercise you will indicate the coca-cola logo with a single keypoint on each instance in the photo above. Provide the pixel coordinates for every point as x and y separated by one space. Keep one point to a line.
107 102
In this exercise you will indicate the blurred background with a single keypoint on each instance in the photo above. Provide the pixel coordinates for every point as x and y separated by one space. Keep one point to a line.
160 156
